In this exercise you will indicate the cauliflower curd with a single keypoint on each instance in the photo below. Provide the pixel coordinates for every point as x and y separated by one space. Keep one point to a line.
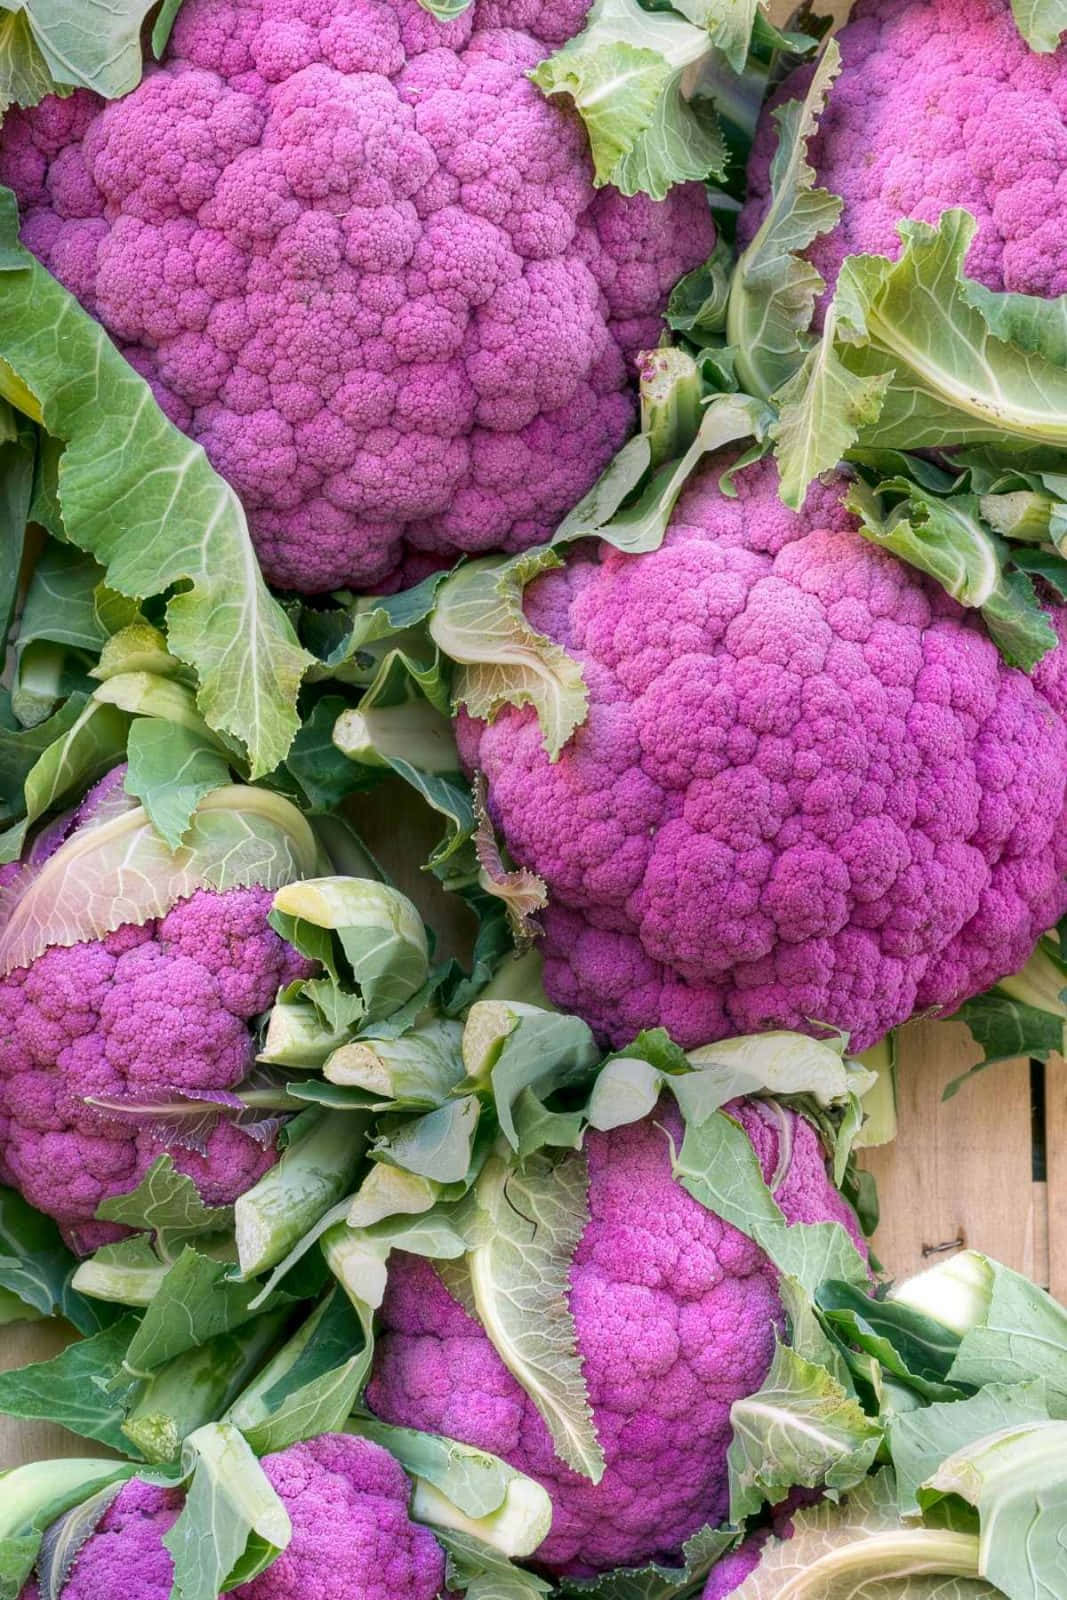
360 258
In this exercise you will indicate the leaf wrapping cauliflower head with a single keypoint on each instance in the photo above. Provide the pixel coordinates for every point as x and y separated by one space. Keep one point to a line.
147 1009
940 103
808 790
675 1313
352 1538
360 258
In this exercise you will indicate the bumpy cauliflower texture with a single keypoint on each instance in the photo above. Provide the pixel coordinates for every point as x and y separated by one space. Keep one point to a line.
163 1006
675 1313
940 103
352 1540
360 258
808 788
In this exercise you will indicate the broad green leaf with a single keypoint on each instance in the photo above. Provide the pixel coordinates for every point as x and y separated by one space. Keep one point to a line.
233 1522
72 1388
1040 22
919 1441
800 1428
624 1090
36 1266
310 1386
911 358
377 930
438 1145
859 1548
167 1204
1022 1015
1017 1481
24 75
544 1051
912 1347
197 1300
1018 1334
520 1274
773 289
419 1069
777 1063
85 44
121 870
718 1167
192 1388
946 537
467 1490
479 623
728 22
624 73
76 746
144 500
17 452
171 769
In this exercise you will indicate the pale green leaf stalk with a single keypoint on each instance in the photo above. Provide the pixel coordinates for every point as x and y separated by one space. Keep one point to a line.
232 1517
519 1279
298 1036
670 395
773 289
415 732
880 1097
195 1387
315 1170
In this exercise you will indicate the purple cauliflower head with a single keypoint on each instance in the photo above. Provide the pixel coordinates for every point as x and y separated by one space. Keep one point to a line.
730 1573
149 1008
352 1538
675 1313
360 258
808 789
940 103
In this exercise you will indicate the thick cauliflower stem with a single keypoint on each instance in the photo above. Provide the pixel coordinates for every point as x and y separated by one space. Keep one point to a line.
808 791
361 259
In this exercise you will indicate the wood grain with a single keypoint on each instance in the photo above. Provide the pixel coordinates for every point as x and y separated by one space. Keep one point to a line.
960 1172
1056 1164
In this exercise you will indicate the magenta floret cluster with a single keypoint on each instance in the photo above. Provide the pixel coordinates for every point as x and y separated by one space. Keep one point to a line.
808 789
675 1313
938 105
352 1538
360 258
148 1009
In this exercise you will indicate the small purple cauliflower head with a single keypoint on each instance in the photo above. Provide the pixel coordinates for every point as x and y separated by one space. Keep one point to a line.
808 789
352 1539
730 1573
675 1313
147 1009
360 258
940 103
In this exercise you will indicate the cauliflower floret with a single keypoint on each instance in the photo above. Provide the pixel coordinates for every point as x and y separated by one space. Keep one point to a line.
940 103
675 1313
148 1008
360 258
808 789
352 1539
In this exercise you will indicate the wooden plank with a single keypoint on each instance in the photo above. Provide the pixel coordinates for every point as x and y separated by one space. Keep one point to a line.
960 1172
1056 1166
